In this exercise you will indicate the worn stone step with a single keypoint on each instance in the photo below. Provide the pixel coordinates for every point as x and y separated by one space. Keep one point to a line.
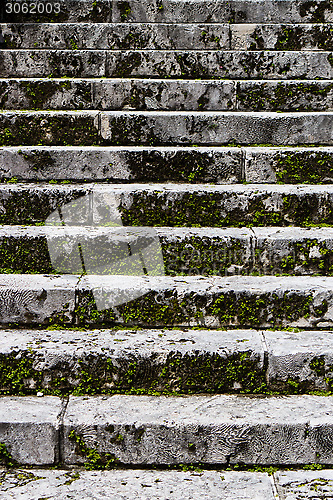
177 205
161 164
164 301
183 251
243 485
193 64
165 362
120 484
129 36
159 430
169 95
188 11
162 128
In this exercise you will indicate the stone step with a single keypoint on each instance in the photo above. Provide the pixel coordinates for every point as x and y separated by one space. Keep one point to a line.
186 11
169 95
193 64
189 484
165 301
162 128
176 205
165 362
126 36
121 484
215 164
184 251
159 430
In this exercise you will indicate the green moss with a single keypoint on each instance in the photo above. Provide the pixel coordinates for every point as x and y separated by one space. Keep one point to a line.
5 457
124 9
304 167
94 459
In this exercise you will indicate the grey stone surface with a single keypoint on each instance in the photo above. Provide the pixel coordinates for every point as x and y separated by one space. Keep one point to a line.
143 164
281 37
157 164
304 358
172 95
37 299
189 251
163 128
204 128
309 165
239 11
209 302
144 360
300 484
144 484
300 251
118 36
193 64
29 428
121 36
162 204
204 429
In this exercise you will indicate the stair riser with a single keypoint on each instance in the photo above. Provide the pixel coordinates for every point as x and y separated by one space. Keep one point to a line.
167 95
168 37
139 164
235 11
188 252
185 205
169 128
165 301
166 64
159 361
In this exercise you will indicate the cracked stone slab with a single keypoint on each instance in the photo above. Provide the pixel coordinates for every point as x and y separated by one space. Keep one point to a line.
141 164
37 299
304 484
303 360
146 484
290 166
212 302
30 428
199 429
189 11
119 361
193 64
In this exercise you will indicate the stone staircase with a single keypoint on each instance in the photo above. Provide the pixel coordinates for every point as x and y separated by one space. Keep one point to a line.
166 249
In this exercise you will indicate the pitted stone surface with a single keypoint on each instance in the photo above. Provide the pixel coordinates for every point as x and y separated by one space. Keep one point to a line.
144 484
208 64
204 429
29 428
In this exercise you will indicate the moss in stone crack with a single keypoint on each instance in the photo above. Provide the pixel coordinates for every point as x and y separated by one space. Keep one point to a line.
95 460
304 167
317 364
25 256
124 9
5 457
